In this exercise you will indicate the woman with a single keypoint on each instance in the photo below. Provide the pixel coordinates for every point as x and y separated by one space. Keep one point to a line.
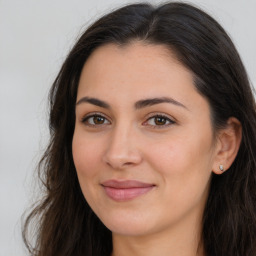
153 138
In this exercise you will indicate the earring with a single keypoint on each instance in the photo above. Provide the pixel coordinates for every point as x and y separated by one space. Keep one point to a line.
221 167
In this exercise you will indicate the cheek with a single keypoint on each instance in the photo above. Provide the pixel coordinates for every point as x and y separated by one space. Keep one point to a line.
176 154
184 163
85 156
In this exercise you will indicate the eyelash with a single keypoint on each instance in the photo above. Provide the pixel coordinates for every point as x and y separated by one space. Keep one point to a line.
85 120
161 116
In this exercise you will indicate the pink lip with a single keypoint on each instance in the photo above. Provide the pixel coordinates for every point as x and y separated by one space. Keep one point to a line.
125 190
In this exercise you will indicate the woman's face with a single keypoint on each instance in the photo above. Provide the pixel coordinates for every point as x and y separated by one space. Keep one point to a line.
143 143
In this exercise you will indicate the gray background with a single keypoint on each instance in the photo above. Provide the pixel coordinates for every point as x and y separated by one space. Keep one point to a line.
35 37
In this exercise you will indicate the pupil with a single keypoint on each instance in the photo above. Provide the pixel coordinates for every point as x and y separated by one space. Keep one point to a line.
98 120
160 120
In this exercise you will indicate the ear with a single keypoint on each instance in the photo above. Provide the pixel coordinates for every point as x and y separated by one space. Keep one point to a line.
228 143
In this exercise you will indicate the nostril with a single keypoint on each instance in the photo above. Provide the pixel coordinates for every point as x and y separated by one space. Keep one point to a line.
120 162
128 163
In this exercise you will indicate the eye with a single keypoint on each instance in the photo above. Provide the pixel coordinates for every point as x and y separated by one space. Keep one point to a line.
95 120
159 120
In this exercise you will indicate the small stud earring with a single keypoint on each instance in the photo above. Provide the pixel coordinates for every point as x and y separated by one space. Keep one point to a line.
221 167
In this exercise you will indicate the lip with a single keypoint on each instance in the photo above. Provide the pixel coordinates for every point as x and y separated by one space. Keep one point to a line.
126 189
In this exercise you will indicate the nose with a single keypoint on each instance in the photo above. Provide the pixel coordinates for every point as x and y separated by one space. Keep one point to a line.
122 150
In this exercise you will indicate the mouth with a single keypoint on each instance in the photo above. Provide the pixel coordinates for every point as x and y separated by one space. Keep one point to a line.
125 190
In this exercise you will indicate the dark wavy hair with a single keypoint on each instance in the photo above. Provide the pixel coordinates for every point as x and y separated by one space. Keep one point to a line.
66 225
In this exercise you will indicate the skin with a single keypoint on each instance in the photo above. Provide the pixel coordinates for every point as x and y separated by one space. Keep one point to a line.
177 155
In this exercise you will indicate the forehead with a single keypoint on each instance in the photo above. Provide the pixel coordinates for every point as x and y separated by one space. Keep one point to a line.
136 71
129 57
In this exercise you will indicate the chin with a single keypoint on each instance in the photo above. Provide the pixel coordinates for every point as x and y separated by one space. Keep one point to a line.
127 224
129 229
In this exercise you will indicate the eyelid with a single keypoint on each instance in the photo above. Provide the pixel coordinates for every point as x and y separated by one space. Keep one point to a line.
93 114
157 114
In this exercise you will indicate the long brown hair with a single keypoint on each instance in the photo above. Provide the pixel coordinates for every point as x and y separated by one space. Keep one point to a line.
66 225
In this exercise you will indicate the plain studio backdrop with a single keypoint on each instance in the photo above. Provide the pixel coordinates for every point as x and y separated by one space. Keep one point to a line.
35 37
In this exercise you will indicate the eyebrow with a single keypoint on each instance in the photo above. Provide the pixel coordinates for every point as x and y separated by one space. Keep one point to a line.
138 105
94 101
153 101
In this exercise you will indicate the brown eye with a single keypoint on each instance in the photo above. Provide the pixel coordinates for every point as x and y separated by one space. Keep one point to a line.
98 120
95 120
160 120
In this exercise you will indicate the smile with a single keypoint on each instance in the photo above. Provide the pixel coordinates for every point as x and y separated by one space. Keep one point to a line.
125 190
